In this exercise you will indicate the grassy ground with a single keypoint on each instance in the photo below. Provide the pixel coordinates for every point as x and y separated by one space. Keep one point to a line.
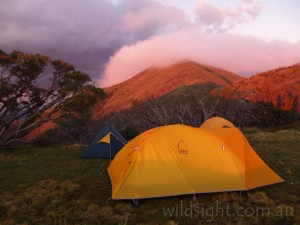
55 186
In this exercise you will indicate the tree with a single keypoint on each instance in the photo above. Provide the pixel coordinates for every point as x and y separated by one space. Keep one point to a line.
77 128
34 90
205 104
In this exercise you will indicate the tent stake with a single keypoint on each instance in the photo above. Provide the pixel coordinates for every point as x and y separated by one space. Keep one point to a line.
136 202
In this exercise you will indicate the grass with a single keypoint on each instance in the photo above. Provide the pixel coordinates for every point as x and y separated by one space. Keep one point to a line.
54 186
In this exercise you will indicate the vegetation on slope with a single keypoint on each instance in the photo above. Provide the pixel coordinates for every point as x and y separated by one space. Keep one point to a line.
281 87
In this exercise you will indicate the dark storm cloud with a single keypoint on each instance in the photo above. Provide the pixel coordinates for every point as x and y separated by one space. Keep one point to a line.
84 33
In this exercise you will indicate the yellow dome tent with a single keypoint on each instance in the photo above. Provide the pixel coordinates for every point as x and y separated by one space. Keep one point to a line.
178 159
217 122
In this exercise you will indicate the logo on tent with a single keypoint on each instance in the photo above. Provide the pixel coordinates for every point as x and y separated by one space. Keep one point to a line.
182 148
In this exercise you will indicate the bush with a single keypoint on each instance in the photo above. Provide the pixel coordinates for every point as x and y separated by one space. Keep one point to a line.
49 138
129 133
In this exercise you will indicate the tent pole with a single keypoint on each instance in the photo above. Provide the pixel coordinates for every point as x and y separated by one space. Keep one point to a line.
110 151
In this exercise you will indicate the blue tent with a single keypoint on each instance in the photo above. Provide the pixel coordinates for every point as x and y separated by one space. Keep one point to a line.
106 144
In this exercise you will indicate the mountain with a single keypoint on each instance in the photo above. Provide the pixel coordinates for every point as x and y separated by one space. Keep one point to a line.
155 82
280 86
152 83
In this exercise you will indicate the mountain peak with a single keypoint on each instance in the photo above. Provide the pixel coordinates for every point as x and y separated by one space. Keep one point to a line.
154 82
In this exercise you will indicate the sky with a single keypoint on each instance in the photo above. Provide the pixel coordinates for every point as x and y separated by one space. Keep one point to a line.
112 40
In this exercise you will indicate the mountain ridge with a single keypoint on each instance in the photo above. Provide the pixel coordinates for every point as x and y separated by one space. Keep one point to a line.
280 86
155 82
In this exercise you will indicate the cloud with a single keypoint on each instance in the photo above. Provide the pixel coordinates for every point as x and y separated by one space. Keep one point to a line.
85 33
153 15
242 55
218 19
61 29
117 39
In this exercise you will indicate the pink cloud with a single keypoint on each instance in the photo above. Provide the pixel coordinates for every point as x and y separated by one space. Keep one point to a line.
214 18
239 54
